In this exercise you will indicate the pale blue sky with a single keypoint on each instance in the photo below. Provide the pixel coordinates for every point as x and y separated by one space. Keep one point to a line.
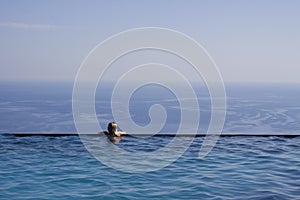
249 40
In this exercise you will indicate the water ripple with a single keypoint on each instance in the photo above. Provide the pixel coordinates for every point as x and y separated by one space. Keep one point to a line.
237 168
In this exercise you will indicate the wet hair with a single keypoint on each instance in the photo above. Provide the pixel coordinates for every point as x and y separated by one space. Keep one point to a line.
112 127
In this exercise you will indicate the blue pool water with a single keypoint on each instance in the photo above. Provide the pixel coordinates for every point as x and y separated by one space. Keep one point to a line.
246 167
237 168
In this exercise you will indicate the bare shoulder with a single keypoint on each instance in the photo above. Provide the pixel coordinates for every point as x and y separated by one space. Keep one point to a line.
120 133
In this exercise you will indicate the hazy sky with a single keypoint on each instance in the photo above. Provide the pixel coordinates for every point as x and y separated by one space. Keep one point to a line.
255 40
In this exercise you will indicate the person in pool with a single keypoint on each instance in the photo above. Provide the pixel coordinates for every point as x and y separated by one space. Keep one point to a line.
112 133
112 129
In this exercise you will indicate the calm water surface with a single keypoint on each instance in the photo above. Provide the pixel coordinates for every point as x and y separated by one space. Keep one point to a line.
238 167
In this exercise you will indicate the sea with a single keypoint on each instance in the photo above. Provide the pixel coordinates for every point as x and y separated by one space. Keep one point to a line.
241 166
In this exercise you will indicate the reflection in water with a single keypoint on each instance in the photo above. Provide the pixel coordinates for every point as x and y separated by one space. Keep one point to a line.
112 138
128 155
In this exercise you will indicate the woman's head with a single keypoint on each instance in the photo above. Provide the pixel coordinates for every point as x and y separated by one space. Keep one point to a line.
112 127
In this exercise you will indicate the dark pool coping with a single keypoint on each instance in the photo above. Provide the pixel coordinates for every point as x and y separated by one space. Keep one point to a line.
158 135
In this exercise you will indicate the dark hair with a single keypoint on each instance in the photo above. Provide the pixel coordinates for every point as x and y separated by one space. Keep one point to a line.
112 127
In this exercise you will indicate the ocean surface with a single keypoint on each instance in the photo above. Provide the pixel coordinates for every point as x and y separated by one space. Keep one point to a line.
244 167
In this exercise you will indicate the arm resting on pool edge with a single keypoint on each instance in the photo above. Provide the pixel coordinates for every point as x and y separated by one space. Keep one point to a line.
120 133
117 134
